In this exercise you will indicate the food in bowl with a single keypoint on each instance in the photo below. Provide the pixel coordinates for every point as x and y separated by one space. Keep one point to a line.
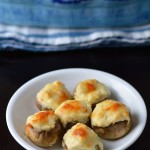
52 95
81 136
111 119
71 112
43 128
91 91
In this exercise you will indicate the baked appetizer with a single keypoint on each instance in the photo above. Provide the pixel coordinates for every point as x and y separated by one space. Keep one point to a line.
43 128
71 112
91 91
52 95
111 119
81 136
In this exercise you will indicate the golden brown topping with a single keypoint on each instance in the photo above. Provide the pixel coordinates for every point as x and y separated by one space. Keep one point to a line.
42 116
81 136
113 107
63 97
108 112
81 132
90 87
74 105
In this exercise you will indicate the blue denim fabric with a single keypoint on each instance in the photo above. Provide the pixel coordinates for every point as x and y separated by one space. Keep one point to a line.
75 13
31 24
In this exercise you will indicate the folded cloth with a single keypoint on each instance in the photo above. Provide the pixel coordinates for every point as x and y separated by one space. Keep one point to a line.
75 13
47 39
54 25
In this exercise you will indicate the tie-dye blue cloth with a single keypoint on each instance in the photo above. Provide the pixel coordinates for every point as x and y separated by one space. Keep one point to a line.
75 13
50 25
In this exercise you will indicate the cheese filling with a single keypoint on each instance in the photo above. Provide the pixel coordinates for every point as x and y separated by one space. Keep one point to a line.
81 136
91 91
73 110
109 112
52 95
43 120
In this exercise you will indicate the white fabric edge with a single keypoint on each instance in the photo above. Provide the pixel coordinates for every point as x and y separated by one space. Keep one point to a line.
21 33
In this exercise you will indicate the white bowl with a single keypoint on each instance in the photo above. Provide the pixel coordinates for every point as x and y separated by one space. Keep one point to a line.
22 104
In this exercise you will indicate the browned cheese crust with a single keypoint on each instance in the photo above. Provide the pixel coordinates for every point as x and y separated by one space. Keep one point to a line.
52 95
71 112
111 119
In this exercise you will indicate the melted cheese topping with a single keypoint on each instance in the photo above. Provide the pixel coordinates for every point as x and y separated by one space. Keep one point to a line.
91 91
81 136
43 120
109 112
52 95
73 110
